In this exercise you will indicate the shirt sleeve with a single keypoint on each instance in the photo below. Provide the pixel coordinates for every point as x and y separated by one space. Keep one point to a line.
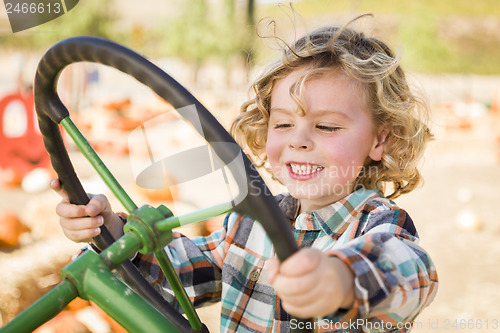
394 277
197 261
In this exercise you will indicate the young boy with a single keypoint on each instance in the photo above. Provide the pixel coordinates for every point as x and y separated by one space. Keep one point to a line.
336 123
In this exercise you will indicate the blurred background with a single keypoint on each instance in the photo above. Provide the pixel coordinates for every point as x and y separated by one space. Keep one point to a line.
450 50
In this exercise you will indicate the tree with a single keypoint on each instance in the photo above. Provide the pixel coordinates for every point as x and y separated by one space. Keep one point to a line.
202 32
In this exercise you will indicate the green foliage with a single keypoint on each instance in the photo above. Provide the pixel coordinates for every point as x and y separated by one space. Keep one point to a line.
190 36
423 50
207 30
201 32
478 8
444 36
427 48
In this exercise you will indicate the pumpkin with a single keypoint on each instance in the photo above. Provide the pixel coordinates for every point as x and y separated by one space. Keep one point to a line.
11 229
115 106
147 186
64 322
125 124
77 304
158 195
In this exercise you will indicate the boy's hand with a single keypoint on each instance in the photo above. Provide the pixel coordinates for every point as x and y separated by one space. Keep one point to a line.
81 223
312 284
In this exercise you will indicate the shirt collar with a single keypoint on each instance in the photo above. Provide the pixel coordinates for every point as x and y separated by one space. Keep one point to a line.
289 206
334 219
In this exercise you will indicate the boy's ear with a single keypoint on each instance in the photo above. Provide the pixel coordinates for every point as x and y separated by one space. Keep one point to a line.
379 143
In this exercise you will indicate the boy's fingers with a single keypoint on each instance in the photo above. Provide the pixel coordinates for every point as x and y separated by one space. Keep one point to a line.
67 210
96 205
293 286
82 224
303 311
301 290
55 184
315 302
82 235
302 262
297 275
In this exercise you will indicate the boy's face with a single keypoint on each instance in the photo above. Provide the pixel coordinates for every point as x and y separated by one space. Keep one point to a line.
317 156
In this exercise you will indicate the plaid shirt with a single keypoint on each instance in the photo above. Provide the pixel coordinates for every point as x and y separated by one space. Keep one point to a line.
394 277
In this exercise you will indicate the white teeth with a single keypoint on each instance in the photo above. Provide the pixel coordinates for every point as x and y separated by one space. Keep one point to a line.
305 169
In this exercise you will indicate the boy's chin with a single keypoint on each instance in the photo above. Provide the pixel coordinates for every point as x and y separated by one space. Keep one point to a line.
306 195
312 194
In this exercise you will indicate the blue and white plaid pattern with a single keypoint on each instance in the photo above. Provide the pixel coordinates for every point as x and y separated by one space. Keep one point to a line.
394 277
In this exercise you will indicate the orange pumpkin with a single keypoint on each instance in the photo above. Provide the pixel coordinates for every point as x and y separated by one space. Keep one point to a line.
68 321
11 228
77 304
64 322
125 124
118 105
167 194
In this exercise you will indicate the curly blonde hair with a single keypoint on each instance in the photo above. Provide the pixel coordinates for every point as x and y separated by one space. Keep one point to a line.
389 97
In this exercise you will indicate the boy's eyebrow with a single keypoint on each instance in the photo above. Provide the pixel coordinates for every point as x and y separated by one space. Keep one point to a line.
318 112
281 110
338 113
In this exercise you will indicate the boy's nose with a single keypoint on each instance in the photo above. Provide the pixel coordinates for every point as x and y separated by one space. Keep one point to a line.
300 140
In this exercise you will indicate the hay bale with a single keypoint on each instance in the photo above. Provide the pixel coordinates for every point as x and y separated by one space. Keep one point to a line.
31 271
39 215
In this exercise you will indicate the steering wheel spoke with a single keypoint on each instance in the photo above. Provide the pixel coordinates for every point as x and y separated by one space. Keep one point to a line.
90 154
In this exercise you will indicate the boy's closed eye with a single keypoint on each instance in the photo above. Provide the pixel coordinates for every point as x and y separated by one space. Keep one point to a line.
321 127
328 128
283 125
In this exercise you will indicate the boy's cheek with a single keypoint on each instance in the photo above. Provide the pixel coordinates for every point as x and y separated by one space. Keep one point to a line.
273 152
275 141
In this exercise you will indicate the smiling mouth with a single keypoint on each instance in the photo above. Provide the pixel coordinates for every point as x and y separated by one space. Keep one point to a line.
304 169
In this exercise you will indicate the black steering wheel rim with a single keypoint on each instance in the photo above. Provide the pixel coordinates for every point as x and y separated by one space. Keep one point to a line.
51 111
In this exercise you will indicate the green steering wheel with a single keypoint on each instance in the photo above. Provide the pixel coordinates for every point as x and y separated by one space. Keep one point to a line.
257 203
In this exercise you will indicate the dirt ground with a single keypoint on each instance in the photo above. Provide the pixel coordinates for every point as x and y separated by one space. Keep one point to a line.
459 226
454 212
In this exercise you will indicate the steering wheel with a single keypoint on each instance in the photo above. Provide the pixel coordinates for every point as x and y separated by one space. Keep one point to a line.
258 202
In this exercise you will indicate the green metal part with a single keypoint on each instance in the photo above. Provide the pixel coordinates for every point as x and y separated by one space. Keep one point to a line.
91 155
180 292
42 310
95 282
143 223
122 249
173 222
147 230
